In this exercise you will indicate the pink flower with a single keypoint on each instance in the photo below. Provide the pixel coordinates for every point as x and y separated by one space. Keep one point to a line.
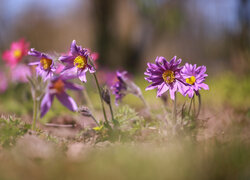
17 51
3 82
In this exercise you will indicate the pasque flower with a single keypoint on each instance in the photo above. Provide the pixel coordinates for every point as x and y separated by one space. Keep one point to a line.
77 62
194 76
123 86
57 88
119 87
165 76
44 64
17 51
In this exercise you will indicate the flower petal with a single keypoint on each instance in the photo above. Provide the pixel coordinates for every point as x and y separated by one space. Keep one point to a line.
67 101
73 86
74 49
204 86
46 103
162 89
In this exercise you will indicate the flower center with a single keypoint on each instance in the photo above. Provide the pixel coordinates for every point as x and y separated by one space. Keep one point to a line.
191 80
17 53
59 86
168 76
80 62
46 63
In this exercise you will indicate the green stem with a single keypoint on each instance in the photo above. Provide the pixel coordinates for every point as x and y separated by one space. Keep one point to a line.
174 109
95 120
194 107
35 107
190 105
199 107
100 94
111 111
144 102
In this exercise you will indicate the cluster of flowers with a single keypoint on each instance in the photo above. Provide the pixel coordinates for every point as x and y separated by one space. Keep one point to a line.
75 65
164 75
18 71
169 75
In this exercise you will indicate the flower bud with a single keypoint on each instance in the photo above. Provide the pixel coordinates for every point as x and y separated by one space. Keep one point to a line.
84 111
106 95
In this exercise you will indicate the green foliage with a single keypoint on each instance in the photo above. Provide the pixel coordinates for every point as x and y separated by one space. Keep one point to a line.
11 129
126 124
128 119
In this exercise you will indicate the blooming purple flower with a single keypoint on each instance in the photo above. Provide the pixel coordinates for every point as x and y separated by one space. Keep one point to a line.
77 62
194 77
56 88
165 76
44 64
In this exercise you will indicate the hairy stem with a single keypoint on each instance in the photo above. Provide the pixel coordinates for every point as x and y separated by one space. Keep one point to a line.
190 105
35 108
100 95
95 120
144 101
111 111
199 107
174 109
194 107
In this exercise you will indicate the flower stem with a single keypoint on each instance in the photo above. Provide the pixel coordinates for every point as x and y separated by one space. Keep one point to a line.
144 102
174 109
190 105
35 107
100 94
194 107
111 111
95 120
199 107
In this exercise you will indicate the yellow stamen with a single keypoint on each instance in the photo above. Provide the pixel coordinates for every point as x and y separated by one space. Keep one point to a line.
80 62
168 76
46 63
191 80
58 86
17 53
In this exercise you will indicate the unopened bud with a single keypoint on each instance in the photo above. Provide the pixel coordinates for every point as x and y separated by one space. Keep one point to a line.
106 95
84 111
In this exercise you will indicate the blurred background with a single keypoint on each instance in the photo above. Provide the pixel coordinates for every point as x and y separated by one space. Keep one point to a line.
129 33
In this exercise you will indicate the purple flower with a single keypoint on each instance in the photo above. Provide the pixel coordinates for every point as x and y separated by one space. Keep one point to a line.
56 88
195 77
77 62
124 86
119 88
165 76
44 64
